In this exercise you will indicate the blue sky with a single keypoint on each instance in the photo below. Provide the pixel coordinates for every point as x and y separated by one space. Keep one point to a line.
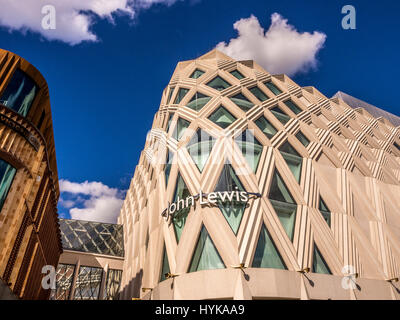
104 94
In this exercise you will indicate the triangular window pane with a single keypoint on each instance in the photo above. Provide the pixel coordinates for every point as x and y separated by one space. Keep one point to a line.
198 101
171 91
292 106
237 74
278 190
181 94
275 90
286 213
242 102
280 115
168 165
197 74
230 208
324 211
251 148
222 117
258 93
266 255
266 127
319 265
302 138
165 266
292 158
218 84
170 120
199 148
180 216
206 256
180 128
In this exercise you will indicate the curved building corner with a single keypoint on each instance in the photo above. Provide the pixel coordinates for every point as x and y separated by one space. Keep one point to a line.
29 229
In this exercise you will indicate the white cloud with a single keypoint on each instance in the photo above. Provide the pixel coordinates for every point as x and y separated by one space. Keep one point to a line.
74 18
103 203
280 49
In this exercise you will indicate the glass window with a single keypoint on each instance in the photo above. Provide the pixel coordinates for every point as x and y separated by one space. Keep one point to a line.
171 91
266 254
319 265
113 284
324 211
396 145
242 102
165 266
222 117
283 204
206 256
88 283
198 101
168 165
179 219
251 148
231 209
218 84
292 106
19 93
302 138
180 128
280 115
7 174
258 94
64 277
197 74
237 74
181 94
266 127
170 120
271 86
199 148
293 159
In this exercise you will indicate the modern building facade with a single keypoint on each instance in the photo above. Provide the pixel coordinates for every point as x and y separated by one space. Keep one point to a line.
29 230
90 267
252 187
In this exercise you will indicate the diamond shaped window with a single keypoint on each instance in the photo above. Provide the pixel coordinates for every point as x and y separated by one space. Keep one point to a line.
222 117
165 265
242 102
230 208
280 115
324 211
181 94
206 256
293 159
171 91
168 165
283 203
180 216
302 138
251 148
237 74
319 265
292 106
197 74
260 95
198 101
199 148
266 127
218 84
274 89
180 128
267 255
169 120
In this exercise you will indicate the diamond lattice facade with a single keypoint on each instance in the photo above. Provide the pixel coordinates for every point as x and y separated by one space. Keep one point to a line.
29 230
252 187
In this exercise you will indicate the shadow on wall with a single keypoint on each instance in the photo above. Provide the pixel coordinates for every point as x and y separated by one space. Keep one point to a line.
132 289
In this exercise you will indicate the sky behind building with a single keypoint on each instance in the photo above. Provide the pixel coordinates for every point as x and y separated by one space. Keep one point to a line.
107 63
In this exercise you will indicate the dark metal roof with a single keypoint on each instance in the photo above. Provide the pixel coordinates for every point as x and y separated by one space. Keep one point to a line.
374 111
93 237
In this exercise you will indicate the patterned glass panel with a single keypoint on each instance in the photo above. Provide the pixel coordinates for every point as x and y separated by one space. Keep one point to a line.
266 127
199 148
197 74
218 84
165 266
242 102
222 117
113 284
237 74
293 159
274 89
64 278
88 283
7 174
181 193
198 101
251 148
324 211
319 265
